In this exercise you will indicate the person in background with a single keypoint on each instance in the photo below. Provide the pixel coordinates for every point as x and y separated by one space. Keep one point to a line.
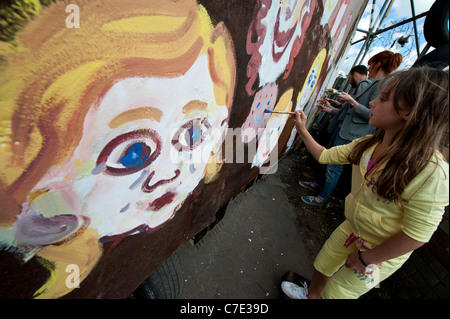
351 121
400 186
358 80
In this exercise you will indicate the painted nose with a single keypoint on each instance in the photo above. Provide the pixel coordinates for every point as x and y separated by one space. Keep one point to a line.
146 187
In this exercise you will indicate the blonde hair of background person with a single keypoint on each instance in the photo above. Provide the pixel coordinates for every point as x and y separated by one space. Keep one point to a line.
56 76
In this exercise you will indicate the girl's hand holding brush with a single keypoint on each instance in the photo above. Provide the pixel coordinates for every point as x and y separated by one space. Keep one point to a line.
300 121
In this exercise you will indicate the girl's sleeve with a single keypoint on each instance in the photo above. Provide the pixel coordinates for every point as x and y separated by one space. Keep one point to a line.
337 154
425 199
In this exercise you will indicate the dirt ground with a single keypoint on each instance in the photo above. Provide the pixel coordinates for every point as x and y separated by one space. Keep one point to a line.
325 218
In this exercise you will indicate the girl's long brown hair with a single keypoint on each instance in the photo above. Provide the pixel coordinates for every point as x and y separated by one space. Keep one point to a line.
424 92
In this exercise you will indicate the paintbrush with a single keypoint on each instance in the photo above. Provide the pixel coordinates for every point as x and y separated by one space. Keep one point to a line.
333 91
278 112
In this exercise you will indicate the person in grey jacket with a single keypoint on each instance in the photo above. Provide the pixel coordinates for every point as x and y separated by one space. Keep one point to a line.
359 82
351 121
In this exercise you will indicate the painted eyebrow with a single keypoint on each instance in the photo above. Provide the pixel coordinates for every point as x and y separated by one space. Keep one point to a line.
139 113
194 105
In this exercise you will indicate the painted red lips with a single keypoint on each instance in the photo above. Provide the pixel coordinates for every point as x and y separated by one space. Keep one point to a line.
162 201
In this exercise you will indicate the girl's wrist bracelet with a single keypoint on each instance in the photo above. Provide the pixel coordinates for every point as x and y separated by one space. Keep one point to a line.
360 258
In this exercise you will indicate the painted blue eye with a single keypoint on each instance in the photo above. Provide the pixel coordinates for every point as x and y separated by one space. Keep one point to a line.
135 155
191 135
194 136
130 152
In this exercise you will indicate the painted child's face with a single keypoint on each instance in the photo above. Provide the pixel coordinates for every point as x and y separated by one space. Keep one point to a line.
144 149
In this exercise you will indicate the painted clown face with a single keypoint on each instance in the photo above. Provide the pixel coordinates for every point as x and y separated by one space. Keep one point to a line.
144 149
257 118
273 130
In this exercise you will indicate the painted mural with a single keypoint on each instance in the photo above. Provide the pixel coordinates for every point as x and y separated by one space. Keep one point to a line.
114 115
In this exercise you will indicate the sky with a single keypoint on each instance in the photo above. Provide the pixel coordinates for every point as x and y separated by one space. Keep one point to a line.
401 10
